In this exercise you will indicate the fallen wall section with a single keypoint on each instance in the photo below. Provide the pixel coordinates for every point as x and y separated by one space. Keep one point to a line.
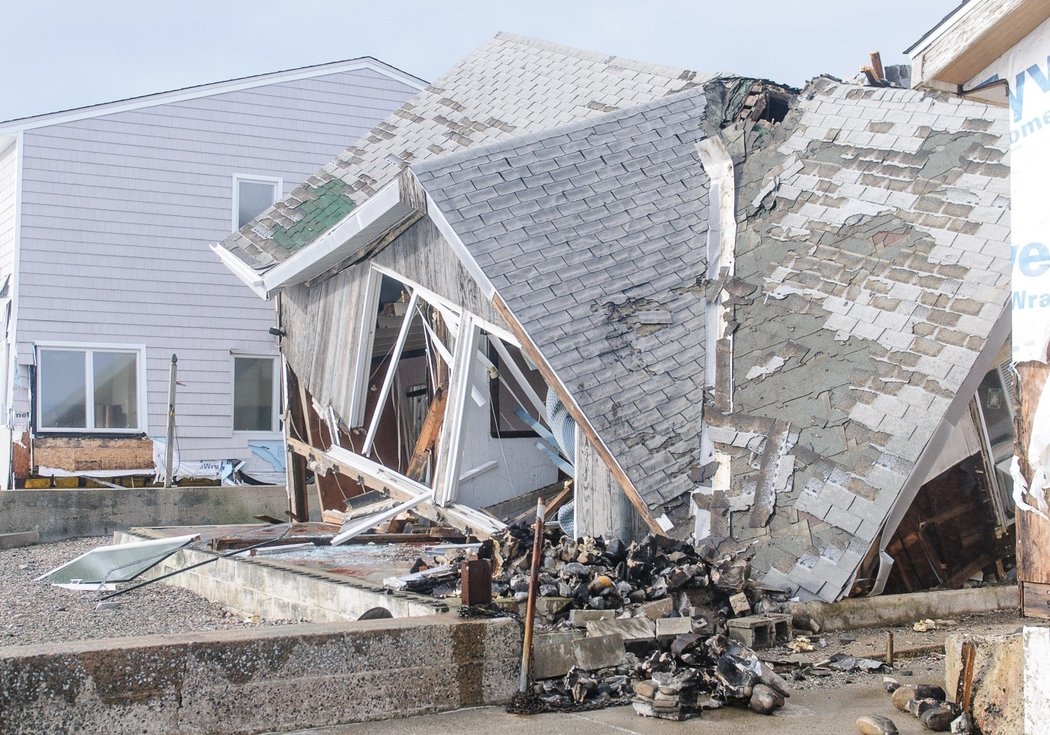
60 514
254 681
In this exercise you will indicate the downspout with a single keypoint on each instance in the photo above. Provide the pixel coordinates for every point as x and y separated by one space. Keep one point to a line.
718 340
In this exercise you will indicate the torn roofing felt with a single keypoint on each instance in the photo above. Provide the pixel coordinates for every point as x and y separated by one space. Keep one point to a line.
508 86
593 236
872 260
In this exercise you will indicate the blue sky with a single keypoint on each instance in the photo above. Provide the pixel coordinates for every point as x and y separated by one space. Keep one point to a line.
59 54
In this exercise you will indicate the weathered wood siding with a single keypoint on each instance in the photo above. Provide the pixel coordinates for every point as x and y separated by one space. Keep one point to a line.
323 320
119 210
422 255
602 507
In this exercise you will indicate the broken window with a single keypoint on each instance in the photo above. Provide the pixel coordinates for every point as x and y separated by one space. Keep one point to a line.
252 196
255 396
513 413
88 389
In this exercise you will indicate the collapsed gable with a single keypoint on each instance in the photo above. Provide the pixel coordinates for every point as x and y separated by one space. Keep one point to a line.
873 244
508 86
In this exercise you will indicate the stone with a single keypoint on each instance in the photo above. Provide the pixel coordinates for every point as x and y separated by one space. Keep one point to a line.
670 628
890 684
553 655
629 629
939 717
875 725
764 700
918 706
599 652
739 604
647 688
901 696
657 608
930 691
961 725
580 618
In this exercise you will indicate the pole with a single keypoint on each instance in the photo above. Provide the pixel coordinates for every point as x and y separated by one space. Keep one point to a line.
169 437
530 606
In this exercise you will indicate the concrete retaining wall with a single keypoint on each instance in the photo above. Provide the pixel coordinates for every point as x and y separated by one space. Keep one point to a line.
263 680
276 591
872 612
60 514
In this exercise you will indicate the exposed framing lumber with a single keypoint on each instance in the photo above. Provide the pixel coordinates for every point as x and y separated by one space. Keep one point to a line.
428 435
362 351
374 520
295 465
391 371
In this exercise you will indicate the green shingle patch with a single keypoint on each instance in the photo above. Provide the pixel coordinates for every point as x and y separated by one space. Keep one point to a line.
328 206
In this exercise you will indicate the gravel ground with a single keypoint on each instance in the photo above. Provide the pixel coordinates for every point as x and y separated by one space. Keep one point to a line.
37 612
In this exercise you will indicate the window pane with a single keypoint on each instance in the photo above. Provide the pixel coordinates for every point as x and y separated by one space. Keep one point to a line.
62 389
253 394
116 390
252 198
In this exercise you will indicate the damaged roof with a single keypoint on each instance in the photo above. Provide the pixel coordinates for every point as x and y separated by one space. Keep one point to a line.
508 86
873 249
593 236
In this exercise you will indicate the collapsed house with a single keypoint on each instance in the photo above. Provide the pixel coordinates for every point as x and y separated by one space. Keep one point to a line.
724 309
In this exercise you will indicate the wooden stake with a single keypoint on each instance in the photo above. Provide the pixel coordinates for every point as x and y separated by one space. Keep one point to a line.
530 606
876 65
889 648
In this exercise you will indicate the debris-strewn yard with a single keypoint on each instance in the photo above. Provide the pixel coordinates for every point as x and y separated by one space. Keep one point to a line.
37 612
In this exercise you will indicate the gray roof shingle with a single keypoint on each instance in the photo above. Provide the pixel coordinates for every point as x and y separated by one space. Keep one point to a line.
506 87
620 318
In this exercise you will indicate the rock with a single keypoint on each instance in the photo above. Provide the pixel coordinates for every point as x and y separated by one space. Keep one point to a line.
901 696
961 725
763 700
939 717
930 691
918 706
889 684
647 688
875 725
740 604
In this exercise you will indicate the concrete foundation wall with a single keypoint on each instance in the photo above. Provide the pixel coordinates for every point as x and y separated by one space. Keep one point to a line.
61 514
270 680
275 591
871 612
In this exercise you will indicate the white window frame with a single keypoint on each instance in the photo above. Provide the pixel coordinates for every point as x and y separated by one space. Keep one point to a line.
275 414
278 186
89 415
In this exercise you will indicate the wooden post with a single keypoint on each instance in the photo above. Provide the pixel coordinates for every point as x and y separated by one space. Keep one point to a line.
530 606
1033 531
169 435
295 467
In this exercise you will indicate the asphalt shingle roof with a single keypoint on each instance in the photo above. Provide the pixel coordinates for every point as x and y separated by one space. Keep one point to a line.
593 234
508 86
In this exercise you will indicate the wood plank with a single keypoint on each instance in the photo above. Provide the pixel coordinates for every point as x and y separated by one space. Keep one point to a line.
428 436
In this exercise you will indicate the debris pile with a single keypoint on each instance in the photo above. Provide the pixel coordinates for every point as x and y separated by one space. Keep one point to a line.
646 622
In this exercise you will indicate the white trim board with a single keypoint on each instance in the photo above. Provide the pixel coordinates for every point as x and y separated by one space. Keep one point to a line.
207 90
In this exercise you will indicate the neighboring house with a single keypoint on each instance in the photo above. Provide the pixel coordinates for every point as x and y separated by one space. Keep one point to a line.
999 50
105 217
726 310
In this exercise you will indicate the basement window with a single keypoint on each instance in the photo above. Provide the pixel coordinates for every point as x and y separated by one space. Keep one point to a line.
252 195
255 394
89 389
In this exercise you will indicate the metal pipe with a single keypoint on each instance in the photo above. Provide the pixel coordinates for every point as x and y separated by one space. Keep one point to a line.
169 437
530 606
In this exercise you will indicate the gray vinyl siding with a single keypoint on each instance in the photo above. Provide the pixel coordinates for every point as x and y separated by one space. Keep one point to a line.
8 199
118 212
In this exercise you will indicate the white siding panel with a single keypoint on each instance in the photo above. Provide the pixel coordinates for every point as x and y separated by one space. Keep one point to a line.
8 191
119 210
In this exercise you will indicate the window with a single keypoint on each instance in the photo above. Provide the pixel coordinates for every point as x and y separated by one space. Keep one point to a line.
90 389
509 399
251 196
255 396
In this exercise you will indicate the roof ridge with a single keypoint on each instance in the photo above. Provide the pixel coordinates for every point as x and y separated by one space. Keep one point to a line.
487 149
596 56
142 98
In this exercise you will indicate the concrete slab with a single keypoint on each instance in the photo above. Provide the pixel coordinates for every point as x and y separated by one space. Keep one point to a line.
18 539
580 618
630 629
553 655
807 712
599 652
